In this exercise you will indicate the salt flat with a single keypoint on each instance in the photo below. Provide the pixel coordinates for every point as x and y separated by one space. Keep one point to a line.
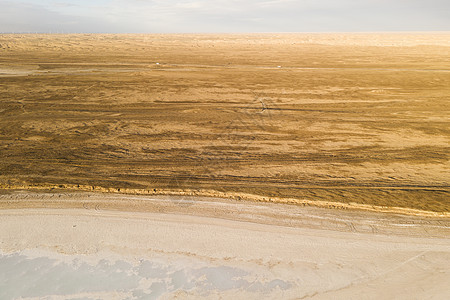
211 248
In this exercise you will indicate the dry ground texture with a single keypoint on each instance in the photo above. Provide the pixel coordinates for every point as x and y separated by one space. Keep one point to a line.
110 246
348 118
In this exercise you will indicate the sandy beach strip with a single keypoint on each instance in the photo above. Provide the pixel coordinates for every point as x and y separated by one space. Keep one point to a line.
186 247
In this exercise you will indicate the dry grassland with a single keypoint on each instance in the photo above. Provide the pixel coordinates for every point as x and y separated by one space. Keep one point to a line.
348 118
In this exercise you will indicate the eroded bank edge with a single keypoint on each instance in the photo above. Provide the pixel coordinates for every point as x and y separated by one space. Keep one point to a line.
230 195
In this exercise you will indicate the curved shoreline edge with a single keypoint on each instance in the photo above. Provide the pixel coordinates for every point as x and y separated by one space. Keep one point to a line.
318 262
232 196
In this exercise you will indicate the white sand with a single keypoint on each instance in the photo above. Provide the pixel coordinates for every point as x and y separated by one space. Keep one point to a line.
189 252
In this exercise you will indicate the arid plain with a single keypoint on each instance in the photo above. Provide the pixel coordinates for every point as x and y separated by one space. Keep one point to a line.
109 142
338 118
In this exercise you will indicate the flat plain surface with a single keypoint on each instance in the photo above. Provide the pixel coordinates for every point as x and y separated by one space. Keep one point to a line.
360 118
172 247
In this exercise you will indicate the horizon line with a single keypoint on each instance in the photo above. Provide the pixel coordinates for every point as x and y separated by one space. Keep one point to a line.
237 33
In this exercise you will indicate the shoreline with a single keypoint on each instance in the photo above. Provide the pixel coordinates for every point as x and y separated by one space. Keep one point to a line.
203 248
261 212
229 195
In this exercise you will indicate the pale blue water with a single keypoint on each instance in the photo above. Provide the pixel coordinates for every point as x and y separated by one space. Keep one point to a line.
41 276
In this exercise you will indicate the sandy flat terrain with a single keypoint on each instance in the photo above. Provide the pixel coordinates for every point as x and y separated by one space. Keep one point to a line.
211 248
349 118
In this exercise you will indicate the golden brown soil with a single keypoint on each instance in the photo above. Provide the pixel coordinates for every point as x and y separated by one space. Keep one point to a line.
360 118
